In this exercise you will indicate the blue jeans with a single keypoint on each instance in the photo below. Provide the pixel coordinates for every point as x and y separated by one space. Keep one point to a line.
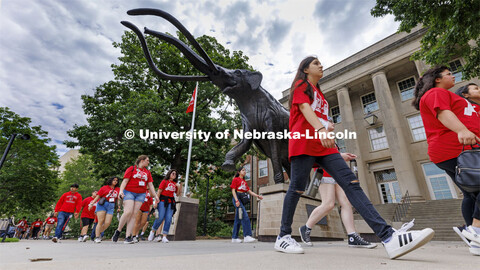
245 221
63 218
163 214
338 169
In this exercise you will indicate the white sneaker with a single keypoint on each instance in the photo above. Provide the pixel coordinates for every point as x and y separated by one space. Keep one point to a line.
158 239
97 240
287 244
459 230
236 240
471 235
85 238
249 239
474 248
403 241
135 239
151 236
80 238
165 240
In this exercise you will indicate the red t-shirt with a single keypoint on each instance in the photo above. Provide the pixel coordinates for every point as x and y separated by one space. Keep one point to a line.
69 202
85 212
146 204
109 193
298 124
442 142
239 184
51 220
139 179
168 187
37 224
22 223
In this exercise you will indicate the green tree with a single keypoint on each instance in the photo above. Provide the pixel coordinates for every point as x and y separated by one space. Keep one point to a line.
80 170
453 29
28 178
137 100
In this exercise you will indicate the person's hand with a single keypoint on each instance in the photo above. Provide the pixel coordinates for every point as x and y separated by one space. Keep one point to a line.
260 197
55 214
237 203
466 137
331 126
348 156
75 215
90 207
121 194
327 143
157 199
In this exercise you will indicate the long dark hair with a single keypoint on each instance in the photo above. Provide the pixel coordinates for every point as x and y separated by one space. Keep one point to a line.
427 82
167 177
110 181
464 90
302 77
237 172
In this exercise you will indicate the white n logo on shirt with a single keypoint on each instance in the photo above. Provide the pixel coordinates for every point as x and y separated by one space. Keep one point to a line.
469 109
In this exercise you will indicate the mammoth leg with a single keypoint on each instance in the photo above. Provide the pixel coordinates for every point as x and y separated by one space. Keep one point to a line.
236 152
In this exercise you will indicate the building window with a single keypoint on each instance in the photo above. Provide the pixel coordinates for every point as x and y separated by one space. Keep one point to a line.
248 170
341 145
437 180
388 186
416 126
336 117
369 103
378 138
406 88
262 168
456 69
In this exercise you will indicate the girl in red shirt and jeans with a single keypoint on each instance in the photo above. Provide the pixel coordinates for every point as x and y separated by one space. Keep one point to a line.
451 123
309 114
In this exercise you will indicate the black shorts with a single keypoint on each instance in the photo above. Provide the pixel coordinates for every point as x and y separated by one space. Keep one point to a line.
87 221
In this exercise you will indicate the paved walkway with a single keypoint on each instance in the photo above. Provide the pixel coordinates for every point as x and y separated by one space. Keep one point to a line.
221 254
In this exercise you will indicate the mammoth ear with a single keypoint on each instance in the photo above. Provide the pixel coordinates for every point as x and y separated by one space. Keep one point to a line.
254 79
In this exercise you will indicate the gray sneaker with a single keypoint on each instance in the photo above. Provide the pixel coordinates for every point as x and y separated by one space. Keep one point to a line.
356 241
128 240
305 235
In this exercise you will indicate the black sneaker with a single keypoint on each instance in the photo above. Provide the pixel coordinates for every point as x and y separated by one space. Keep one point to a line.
305 235
128 240
116 234
356 241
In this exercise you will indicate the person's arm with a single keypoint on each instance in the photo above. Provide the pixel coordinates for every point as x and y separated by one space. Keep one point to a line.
450 121
312 119
260 197
59 204
90 205
122 187
179 189
234 193
151 189
348 156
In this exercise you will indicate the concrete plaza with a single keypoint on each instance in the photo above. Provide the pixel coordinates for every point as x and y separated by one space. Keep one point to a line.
222 254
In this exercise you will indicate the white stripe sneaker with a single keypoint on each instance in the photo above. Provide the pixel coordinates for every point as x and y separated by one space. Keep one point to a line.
287 244
471 235
459 230
403 241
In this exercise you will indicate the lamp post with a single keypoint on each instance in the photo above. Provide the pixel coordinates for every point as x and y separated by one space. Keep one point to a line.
371 118
10 142
206 202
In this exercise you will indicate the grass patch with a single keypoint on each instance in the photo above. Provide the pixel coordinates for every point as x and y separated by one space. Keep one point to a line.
10 240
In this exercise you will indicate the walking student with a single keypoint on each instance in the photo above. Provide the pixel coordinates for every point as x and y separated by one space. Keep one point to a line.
87 217
166 204
451 124
239 187
49 224
309 113
104 205
136 181
69 204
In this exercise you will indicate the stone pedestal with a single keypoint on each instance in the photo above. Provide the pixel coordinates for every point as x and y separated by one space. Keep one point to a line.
270 215
184 222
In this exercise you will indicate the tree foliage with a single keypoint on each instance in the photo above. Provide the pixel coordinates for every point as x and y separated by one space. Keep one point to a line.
80 170
137 100
453 29
28 178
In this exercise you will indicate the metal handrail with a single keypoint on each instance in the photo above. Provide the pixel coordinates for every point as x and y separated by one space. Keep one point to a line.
402 208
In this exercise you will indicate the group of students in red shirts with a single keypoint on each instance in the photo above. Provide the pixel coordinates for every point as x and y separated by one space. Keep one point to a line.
32 230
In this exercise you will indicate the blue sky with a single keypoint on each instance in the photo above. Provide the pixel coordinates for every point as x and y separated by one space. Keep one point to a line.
54 51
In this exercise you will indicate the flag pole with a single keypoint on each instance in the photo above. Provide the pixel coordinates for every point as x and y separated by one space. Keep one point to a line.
191 141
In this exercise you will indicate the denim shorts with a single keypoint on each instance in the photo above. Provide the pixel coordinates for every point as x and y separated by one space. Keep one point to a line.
138 197
107 207
327 180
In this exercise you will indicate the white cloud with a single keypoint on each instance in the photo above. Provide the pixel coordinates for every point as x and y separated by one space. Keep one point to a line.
53 51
